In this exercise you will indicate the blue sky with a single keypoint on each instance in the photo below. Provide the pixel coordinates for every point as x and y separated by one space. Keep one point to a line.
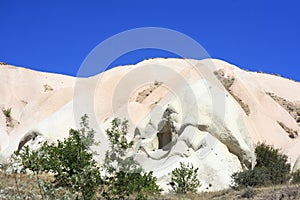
56 36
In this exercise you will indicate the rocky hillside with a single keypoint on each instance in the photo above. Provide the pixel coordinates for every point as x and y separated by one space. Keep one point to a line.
208 112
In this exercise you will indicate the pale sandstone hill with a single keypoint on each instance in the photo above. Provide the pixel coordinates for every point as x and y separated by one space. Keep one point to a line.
207 112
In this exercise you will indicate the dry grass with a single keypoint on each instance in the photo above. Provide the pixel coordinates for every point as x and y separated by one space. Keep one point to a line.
28 187
13 185
284 192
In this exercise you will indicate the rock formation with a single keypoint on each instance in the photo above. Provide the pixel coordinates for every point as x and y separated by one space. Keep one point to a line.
206 112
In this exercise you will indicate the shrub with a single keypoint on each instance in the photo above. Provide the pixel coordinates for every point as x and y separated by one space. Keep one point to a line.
7 112
140 184
71 161
251 178
296 177
123 175
271 168
185 179
276 163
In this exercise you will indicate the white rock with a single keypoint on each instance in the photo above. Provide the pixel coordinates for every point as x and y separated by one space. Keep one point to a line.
297 165
208 126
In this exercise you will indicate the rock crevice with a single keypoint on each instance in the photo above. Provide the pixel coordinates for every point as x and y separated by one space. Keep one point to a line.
227 82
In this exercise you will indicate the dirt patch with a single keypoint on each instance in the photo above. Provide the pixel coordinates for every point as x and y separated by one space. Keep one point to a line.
10 122
276 192
244 106
292 133
146 92
14 186
227 82
47 88
293 108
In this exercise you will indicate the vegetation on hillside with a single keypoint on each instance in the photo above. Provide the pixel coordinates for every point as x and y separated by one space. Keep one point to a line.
71 161
123 175
271 168
72 164
67 170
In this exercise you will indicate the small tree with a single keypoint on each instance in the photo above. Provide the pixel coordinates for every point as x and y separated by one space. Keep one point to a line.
123 175
185 179
71 161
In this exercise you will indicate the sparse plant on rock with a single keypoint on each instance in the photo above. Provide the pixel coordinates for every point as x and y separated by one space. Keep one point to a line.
7 112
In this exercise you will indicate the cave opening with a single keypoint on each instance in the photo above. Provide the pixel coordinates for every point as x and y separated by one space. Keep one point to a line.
164 136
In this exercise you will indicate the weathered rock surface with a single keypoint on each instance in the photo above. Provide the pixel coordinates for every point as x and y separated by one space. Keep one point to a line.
291 107
209 113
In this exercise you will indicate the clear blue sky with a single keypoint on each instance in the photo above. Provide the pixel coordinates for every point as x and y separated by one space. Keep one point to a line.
56 36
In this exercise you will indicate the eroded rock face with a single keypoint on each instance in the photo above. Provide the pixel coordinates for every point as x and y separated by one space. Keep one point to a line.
3 134
147 91
292 133
292 107
10 122
198 132
216 164
32 138
202 123
227 83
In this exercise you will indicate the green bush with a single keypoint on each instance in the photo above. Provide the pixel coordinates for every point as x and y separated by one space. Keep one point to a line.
125 184
185 179
276 163
7 112
296 177
271 169
71 161
252 178
123 175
